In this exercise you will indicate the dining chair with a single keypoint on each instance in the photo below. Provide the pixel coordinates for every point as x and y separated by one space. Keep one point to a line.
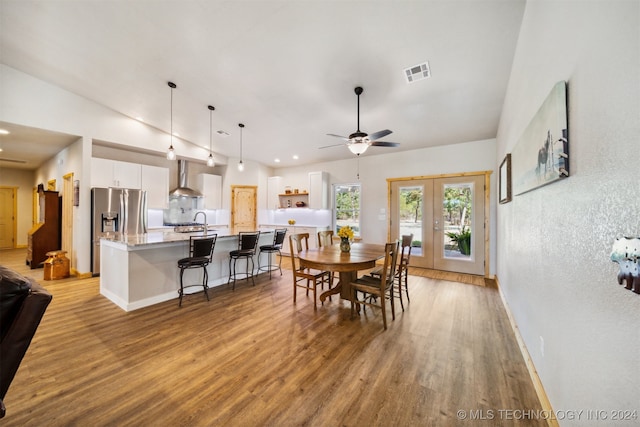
325 238
278 240
375 289
247 244
402 271
306 278
200 255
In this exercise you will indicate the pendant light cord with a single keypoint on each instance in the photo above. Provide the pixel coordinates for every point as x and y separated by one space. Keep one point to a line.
171 114
211 108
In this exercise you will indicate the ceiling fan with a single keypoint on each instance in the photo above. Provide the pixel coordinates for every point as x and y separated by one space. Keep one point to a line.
359 141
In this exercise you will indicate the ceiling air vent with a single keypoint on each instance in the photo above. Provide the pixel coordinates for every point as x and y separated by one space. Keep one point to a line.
417 72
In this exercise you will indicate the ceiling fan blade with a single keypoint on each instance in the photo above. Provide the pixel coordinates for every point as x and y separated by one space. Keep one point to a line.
384 144
329 146
379 134
338 136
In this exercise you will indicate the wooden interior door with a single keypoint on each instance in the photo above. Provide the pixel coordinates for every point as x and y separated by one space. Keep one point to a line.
7 217
243 208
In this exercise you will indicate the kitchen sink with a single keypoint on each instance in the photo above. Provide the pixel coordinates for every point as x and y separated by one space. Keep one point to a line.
188 228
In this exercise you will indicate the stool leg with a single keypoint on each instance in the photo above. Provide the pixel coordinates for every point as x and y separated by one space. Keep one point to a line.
181 291
280 261
269 264
406 283
252 267
205 280
234 272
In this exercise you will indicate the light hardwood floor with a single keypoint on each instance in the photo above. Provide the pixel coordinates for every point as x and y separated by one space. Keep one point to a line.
252 358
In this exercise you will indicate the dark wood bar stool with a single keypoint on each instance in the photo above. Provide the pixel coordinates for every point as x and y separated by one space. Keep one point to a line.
200 255
278 240
247 244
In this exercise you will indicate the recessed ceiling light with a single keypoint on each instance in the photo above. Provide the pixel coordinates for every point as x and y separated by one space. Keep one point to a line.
4 132
276 160
295 157
222 133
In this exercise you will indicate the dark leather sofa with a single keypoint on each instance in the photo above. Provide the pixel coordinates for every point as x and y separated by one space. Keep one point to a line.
22 304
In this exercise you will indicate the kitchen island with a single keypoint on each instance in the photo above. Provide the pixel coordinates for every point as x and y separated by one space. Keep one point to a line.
141 270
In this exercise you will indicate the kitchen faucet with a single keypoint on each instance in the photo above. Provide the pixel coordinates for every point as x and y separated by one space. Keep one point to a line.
205 219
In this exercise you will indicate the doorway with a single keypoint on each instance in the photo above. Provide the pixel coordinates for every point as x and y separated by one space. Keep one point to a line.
447 217
8 203
243 208
67 217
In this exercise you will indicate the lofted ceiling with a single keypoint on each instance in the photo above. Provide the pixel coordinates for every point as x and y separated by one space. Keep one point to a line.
286 69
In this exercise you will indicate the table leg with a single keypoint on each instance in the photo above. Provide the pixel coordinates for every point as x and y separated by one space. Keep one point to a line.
343 287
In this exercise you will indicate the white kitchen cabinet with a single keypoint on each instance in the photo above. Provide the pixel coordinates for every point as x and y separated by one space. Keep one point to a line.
113 173
211 188
319 190
155 181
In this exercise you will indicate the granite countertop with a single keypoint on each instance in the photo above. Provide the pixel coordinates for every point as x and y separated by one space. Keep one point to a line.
166 236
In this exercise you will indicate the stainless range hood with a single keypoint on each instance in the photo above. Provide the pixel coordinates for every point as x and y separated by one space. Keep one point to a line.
183 190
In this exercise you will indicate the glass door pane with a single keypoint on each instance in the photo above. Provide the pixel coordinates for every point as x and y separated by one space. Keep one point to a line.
412 213
410 219
458 227
458 223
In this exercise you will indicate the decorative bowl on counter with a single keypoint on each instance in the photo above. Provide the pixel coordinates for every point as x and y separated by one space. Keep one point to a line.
300 204
291 221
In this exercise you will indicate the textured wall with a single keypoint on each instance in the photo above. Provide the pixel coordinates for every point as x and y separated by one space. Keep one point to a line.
554 243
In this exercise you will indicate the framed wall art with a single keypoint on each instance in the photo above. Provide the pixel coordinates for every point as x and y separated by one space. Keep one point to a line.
504 183
541 156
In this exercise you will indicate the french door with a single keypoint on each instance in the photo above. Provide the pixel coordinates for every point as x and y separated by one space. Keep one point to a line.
446 216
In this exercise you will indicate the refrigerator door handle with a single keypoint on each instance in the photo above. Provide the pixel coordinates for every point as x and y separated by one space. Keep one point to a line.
124 206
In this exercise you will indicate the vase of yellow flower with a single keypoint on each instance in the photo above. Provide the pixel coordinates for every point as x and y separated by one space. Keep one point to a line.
346 235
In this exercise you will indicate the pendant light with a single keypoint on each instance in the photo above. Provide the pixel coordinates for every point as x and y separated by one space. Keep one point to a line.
241 165
210 161
171 155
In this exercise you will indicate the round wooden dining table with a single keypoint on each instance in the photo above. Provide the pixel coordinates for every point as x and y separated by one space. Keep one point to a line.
362 256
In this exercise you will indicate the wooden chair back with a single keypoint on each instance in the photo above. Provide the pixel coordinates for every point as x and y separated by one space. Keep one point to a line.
325 238
297 243
388 273
405 254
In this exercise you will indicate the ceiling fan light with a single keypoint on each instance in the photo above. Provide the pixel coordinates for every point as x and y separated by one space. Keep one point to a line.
358 147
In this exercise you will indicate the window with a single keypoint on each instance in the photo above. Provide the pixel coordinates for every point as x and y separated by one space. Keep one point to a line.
347 203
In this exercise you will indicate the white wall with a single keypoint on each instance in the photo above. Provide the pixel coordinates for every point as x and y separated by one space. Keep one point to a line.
28 101
71 160
553 261
376 168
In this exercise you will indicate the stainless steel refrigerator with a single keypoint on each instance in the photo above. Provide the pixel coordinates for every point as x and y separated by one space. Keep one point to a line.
114 212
